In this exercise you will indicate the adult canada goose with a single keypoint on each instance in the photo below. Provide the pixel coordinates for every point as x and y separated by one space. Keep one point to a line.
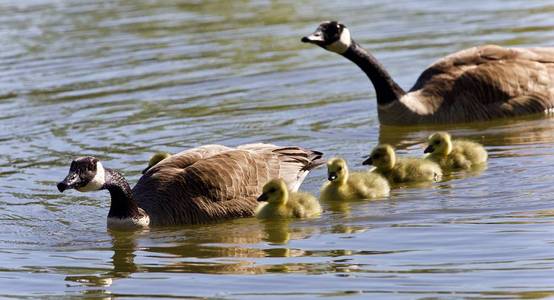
154 159
457 154
402 170
203 184
475 84
280 203
343 185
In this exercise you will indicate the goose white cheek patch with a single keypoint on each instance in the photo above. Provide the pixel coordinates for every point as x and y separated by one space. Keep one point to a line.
341 45
97 182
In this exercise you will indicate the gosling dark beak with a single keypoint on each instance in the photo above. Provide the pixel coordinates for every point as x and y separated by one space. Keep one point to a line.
368 162
69 182
331 176
262 198
314 38
146 170
429 149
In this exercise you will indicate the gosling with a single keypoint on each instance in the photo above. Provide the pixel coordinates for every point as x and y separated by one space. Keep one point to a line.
155 159
354 186
284 204
402 170
453 155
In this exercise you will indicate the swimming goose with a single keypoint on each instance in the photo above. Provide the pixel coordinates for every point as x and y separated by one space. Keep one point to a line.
344 185
154 159
204 184
475 84
280 203
402 170
457 154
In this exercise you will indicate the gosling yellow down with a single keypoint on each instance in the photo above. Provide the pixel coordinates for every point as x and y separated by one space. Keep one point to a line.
402 170
343 185
457 154
155 159
284 204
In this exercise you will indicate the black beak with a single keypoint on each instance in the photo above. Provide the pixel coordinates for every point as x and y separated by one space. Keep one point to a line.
368 162
314 38
331 176
69 182
262 198
146 169
429 149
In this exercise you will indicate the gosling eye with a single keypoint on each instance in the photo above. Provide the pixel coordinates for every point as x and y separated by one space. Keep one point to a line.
437 142
376 156
339 169
271 190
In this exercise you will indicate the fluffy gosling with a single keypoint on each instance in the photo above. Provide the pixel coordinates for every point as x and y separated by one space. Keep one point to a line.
284 204
343 185
155 159
457 154
402 170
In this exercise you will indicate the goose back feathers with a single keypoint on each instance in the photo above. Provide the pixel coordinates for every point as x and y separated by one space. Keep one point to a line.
475 84
217 182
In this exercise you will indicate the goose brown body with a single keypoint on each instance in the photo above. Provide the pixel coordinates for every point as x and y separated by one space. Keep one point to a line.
475 84
217 182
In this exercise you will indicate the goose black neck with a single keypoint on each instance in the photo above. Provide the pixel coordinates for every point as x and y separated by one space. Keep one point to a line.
123 204
386 89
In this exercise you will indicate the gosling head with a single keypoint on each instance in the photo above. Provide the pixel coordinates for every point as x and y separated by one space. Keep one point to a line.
337 170
332 36
155 159
85 174
275 191
382 157
439 143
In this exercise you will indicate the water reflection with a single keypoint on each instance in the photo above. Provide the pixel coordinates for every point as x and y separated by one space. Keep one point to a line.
536 129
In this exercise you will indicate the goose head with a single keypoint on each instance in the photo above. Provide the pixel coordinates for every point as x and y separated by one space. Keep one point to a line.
439 143
155 159
337 170
275 191
330 35
382 157
85 174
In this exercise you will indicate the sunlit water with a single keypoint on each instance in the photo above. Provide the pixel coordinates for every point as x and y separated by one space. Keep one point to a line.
122 79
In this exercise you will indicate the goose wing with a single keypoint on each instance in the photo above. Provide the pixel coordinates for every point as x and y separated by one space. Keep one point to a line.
510 79
190 156
221 186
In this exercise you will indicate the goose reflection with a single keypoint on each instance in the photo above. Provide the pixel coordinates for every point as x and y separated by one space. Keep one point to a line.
535 129
231 247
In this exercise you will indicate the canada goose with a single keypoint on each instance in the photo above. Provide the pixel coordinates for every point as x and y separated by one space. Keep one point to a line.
457 154
344 185
204 184
280 203
156 158
475 84
402 170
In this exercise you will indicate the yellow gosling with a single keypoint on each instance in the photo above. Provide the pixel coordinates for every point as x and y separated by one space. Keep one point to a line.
344 186
402 170
155 159
284 204
457 154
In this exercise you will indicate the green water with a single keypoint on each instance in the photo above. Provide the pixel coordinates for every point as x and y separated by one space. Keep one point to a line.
122 79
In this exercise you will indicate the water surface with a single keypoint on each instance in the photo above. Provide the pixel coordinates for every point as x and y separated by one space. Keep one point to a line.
122 79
